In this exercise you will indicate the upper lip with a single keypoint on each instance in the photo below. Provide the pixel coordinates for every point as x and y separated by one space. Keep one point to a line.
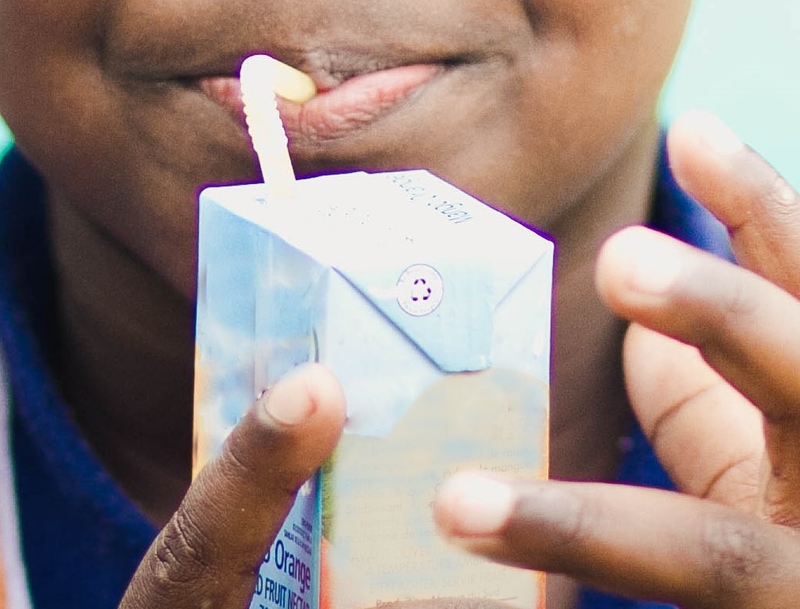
326 67
331 68
141 46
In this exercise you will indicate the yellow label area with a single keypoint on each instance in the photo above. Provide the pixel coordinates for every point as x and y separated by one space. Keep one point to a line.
383 544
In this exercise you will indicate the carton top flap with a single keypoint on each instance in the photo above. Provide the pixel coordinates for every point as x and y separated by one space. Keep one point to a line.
434 260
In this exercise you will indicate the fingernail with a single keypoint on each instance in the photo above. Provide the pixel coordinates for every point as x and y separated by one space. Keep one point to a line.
288 402
473 505
654 262
714 133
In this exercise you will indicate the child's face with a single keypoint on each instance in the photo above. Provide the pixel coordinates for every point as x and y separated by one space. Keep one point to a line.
526 104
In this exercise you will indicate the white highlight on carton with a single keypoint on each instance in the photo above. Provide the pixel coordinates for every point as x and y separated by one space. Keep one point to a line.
258 76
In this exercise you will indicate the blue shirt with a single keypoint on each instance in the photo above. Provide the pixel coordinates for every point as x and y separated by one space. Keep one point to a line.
82 538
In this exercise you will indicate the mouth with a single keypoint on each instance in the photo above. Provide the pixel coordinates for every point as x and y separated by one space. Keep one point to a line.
349 99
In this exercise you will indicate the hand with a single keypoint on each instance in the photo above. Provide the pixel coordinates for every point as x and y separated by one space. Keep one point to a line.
712 365
209 553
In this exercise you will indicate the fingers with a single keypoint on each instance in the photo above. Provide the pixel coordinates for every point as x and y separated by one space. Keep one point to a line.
760 209
209 552
744 326
708 437
628 541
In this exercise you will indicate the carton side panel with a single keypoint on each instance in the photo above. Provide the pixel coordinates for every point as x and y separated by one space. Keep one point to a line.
225 326
522 323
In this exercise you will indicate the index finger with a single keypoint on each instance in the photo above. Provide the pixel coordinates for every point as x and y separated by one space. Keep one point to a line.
210 551
757 205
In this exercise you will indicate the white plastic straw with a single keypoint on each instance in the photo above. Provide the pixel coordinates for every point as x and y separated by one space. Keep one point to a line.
257 77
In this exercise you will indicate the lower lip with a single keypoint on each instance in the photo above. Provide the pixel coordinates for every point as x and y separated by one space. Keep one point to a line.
332 114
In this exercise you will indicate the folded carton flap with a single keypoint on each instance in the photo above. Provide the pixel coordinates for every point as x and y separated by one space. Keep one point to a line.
434 260
445 307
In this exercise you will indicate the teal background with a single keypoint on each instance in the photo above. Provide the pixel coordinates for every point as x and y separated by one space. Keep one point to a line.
739 60
5 136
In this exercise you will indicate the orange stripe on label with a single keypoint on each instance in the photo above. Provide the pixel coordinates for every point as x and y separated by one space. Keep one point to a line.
3 591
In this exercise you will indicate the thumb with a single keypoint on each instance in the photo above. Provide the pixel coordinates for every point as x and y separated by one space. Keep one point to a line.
208 554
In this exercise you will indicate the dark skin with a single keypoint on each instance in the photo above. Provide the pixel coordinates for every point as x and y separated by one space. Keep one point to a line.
545 109
524 93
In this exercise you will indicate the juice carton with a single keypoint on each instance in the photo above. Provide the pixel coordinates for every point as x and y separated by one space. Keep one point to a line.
433 310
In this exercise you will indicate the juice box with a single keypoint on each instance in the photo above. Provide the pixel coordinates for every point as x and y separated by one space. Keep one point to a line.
433 311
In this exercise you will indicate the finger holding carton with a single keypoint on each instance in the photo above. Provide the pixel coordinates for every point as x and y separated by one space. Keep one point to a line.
209 552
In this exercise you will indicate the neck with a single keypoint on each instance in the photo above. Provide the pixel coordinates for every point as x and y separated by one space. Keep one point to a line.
125 362
590 411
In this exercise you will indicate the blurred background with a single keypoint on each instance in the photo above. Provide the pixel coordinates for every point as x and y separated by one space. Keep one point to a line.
5 137
740 60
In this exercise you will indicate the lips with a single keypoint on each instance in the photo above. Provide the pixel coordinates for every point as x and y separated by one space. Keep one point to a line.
350 106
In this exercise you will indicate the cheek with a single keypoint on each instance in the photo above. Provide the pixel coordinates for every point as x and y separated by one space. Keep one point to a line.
618 50
591 80
127 160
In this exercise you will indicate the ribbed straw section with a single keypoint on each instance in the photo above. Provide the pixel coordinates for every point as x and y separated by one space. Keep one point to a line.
258 76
